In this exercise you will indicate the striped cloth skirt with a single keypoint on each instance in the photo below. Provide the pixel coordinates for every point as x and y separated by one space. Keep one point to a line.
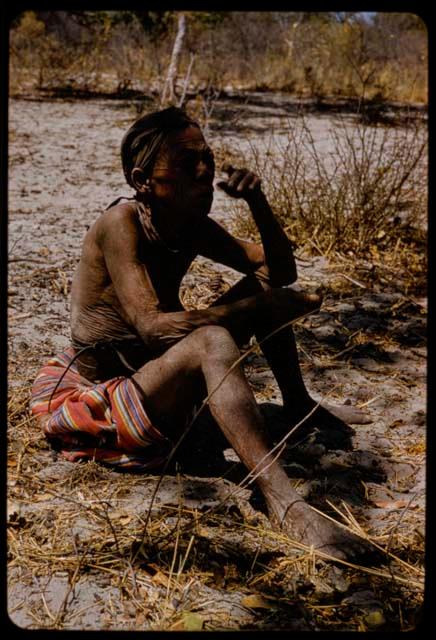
103 421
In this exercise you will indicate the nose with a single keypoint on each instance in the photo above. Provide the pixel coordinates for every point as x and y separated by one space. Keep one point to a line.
204 172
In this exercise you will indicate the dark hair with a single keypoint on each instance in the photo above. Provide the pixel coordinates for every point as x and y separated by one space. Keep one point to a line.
145 137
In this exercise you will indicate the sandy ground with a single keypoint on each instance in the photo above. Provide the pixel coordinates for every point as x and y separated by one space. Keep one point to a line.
64 170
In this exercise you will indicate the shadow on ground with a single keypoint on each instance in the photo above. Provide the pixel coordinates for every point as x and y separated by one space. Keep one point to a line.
326 467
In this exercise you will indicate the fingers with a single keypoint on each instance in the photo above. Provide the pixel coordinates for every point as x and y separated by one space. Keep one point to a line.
238 178
227 168
249 182
241 182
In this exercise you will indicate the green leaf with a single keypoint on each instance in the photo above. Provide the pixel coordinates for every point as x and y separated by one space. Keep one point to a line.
375 618
192 621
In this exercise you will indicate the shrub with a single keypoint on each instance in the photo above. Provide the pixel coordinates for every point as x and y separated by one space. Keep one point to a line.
365 191
306 53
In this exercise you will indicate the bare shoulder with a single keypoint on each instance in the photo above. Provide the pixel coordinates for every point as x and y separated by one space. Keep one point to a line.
120 216
118 223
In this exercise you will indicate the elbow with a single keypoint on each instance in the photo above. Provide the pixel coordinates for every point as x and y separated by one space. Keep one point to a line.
150 330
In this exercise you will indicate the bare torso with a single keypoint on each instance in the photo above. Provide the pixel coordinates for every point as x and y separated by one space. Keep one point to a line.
97 315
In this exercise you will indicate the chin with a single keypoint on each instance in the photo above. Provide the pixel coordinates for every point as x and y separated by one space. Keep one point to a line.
203 208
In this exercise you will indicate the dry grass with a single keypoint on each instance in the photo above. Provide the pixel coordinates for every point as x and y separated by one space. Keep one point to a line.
84 523
172 559
249 51
362 205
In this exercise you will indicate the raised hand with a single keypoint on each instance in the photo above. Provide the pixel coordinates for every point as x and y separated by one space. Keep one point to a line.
241 183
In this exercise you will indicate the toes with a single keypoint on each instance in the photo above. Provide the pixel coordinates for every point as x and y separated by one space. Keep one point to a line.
344 545
360 418
348 414
347 551
333 550
313 300
357 417
361 551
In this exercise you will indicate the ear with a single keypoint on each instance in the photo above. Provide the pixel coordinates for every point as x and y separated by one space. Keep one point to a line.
140 181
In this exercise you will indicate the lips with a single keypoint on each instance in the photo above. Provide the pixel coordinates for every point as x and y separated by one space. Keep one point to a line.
206 190
204 195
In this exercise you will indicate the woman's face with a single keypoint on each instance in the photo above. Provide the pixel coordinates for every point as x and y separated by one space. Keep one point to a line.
181 183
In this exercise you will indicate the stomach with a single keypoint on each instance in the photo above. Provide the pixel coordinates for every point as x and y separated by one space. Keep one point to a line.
100 322
111 346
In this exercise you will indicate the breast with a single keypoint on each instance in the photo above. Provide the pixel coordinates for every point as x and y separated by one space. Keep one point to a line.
166 271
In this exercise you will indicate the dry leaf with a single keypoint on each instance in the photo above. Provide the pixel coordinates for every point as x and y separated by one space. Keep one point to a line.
178 626
160 578
396 423
41 497
122 517
390 504
192 621
189 622
256 602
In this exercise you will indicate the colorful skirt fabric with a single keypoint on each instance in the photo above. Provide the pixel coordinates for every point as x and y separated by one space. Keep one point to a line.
104 421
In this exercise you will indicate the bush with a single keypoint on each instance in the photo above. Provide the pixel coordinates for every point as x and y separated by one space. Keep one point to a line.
365 192
306 53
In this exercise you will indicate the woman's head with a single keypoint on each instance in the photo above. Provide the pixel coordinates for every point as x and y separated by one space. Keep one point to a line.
167 160
145 137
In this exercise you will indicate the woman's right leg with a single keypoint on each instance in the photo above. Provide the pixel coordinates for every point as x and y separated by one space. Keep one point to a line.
203 363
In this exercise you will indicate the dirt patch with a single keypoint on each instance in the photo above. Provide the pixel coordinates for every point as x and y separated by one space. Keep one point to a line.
79 557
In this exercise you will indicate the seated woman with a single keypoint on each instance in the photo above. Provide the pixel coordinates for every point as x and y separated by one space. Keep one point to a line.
140 362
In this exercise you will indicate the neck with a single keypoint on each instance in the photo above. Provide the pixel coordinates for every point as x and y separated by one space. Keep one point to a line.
168 223
169 233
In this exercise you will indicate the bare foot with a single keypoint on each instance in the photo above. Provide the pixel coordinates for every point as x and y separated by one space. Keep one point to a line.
326 414
328 429
294 303
348 413
303 524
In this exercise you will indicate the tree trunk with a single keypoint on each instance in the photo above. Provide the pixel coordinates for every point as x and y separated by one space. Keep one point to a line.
293 35
168 92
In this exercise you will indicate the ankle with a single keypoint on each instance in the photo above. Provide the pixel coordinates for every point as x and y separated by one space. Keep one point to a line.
298 401
278 511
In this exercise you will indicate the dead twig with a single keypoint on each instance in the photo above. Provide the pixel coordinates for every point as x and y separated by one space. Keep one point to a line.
63 607
37 260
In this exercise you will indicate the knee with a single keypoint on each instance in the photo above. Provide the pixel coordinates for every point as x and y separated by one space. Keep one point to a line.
217 342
